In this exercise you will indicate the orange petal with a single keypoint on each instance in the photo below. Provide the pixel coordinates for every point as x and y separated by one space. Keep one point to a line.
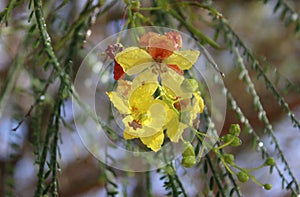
144 39
160 47
175 68
176 37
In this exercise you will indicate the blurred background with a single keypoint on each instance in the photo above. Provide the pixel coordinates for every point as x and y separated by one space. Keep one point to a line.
24 71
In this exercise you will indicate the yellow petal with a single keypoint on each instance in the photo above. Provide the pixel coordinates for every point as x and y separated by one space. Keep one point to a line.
141 98
133 60
174 127
133 129
191 112
123 88
120 103
154 142
171 81
127 136
199 102
158 116
147 76
183 59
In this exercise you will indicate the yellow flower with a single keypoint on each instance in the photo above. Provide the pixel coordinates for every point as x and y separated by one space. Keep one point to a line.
145 117
154 103
133 60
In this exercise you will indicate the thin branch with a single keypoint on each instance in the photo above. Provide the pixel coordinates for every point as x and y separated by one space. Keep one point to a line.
288 14
233 40
262 114
198 34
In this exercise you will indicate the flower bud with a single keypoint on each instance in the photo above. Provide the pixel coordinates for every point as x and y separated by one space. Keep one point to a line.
236 142
188 161
267 186
226 138
188 155
243 177
188 150
135 6
189 85
235 129
169 170
229 158
270 161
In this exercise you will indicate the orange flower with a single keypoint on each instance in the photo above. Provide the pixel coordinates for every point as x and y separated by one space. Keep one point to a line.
161 46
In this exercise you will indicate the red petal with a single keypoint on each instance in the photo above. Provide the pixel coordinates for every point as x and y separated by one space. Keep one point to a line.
118 71
160 47
175 68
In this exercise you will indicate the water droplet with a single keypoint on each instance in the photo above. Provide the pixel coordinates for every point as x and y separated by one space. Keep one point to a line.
260 144
269 127
242 119
294 17
88 33
42 97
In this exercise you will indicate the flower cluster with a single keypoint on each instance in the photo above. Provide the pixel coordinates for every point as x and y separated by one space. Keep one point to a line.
159 100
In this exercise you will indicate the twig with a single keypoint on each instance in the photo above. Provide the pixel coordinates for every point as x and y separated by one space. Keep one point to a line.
233 40
262 114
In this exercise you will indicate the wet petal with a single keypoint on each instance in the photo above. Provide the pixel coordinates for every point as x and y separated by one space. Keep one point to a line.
118 71
131 130
124 88
144 39
147 76
176 37
133 60
174 127
160 47
141 98
183 59
154 142
128 136
158 115
119 102
199 102
172 81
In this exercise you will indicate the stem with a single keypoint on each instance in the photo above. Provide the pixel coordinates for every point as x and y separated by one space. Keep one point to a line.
149 185
10 81
194 30
215 175
233 41
150 8
225 144
263 116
